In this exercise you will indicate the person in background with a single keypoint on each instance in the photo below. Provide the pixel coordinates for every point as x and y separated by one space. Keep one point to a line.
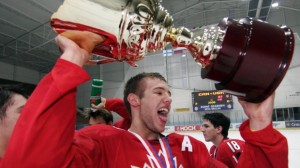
12 101
44 134
99 116
215 129
117 105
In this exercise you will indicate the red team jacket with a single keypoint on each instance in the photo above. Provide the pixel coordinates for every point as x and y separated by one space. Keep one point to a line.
44 136
117 105
228 151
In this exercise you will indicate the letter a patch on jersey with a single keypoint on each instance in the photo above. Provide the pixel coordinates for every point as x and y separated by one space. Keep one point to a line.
186 144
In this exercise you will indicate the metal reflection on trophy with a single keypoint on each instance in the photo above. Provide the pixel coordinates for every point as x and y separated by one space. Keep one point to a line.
132 28
247 57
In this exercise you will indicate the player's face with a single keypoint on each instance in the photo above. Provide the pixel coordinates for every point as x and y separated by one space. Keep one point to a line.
155 104
13 112
209 131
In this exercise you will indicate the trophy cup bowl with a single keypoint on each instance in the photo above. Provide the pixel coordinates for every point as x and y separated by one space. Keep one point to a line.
132 27
246 57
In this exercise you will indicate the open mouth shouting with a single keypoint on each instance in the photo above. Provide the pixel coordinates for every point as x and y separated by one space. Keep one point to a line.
163 114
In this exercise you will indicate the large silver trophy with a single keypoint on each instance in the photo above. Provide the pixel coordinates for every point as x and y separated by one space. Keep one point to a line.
247 57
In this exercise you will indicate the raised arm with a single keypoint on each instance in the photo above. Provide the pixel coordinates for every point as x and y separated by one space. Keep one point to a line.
115 104
260 114
44 132
264 146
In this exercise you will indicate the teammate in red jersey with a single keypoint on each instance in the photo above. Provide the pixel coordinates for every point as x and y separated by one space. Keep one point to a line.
116 105
100 116
44 134
12 100
215 129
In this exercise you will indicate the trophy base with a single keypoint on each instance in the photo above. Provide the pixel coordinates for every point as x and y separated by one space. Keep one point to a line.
252 61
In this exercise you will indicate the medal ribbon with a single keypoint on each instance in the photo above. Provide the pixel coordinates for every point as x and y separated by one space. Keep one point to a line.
165 147
168 152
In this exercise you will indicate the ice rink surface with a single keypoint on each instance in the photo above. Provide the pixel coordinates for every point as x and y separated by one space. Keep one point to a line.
293 137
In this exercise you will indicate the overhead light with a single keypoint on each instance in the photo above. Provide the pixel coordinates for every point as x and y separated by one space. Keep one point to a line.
275 5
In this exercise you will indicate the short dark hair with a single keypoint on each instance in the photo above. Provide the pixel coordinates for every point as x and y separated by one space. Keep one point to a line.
133 85
105 114
219 119
6 93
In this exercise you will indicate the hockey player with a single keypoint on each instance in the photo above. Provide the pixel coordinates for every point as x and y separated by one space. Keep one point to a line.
215 129
116 105
100 116
12 100
44 134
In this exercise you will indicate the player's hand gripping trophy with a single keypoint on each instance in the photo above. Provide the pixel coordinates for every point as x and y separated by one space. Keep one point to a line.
247 57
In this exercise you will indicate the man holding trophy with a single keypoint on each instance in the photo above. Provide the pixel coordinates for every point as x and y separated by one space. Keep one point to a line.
44 135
